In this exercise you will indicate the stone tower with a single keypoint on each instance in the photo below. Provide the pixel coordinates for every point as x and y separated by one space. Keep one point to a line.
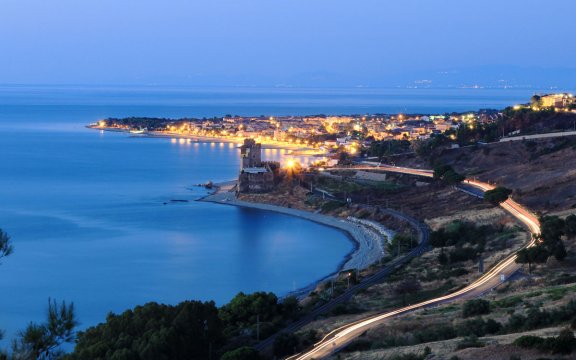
250 153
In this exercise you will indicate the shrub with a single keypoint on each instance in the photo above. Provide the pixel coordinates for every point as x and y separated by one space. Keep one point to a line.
565 343
331 205
528 341
243 353
285 344
462 254
469 342
475 307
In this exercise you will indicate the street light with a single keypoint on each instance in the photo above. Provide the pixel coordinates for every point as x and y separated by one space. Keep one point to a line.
290 168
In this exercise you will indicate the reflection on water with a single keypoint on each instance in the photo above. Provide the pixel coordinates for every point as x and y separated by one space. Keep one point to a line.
92 222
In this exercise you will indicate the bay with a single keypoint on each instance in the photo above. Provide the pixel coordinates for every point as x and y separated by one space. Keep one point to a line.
90 212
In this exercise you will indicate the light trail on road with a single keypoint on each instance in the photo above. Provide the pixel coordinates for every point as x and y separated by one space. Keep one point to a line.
340 337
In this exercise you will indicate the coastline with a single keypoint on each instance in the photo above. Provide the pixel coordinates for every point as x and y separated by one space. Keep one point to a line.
203 139
367 242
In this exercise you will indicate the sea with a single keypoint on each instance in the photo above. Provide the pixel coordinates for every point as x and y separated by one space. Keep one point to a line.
91 216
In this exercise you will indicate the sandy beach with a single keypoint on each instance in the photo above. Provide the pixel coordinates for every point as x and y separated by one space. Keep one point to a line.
368 239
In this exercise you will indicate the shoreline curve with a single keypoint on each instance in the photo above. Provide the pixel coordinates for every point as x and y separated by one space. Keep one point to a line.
367 244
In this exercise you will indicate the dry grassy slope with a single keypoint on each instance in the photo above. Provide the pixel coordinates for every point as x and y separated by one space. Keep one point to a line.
542 181
529 290
429 200
497 348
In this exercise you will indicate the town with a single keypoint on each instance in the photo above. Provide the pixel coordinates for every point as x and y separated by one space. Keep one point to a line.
353 132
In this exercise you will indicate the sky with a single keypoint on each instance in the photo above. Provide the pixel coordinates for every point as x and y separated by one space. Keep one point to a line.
285 42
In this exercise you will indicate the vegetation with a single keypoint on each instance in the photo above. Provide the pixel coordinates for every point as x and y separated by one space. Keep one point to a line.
42 341
549 241
384 148
532 255
564 343
189 330
6 247
447 174
468 239
552 229
285 344
407 287
331 205
460 233
530 121
469 342
400 244
242 353
154 331
497 195
475 307
477 327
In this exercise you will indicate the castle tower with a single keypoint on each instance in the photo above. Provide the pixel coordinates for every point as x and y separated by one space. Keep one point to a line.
251 154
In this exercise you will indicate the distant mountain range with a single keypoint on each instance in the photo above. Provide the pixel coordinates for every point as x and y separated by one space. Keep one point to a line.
479 76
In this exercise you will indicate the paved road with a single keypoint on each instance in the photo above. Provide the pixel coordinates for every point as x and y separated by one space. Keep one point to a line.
538 136
342 336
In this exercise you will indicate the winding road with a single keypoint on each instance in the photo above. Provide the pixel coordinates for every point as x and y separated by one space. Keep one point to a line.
342 336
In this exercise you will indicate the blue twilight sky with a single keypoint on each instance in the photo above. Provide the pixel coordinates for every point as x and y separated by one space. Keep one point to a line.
291 42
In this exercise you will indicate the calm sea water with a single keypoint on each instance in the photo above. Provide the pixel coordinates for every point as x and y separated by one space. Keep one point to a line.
87 213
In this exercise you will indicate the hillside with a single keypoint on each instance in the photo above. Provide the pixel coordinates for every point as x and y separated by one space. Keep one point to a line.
542 173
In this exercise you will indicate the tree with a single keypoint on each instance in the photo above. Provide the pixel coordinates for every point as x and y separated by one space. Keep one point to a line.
452 177
400 243
5 250
42 341
6 247
244 311
446 173
531 255
188 331
497 195
552 230
440 170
